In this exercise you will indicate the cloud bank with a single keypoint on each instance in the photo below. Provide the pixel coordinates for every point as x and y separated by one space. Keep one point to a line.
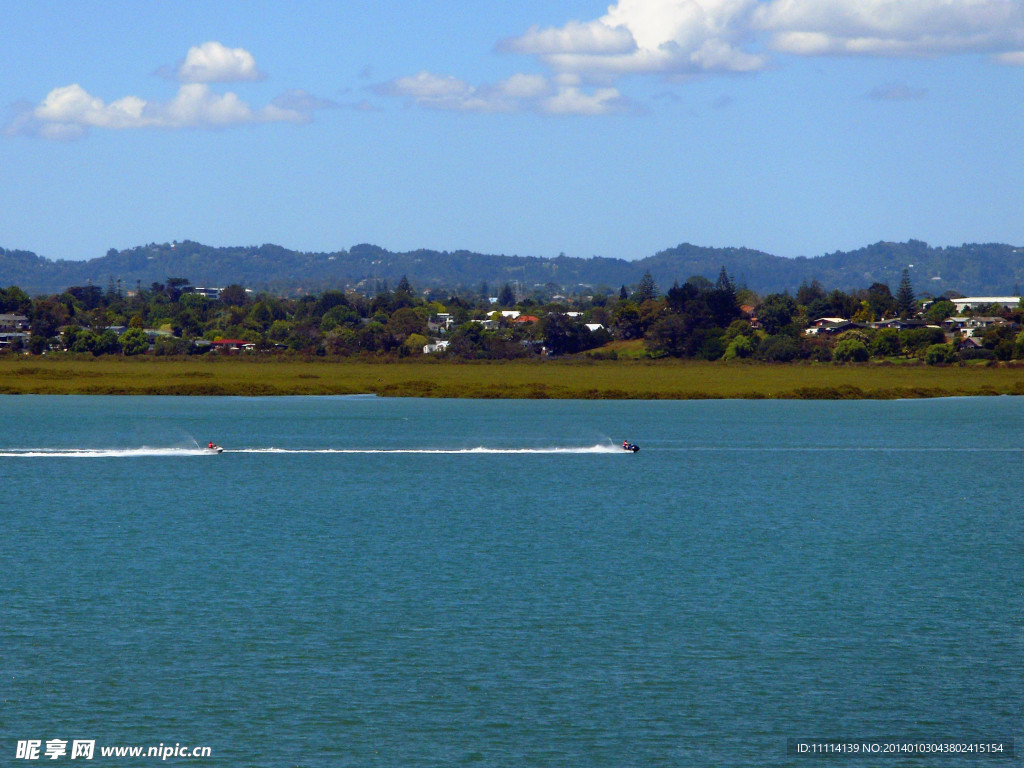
585 59
70 111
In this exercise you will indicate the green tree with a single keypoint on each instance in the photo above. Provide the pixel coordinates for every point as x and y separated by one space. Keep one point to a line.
940 354
170 345
234 295
880 300
106 343
38 344
886 343
740 346
339 316
646 289
507 297
940 310
14 300
726 283
415 342
906 304
776 312
668 336
134 341
562 335
406 321
917 340
627 320
807 295
778 349
850 351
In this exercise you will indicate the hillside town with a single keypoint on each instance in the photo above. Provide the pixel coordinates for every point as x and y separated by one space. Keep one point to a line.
698 319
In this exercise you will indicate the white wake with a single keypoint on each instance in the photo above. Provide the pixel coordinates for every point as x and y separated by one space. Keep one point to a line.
478 449
144 451
100 453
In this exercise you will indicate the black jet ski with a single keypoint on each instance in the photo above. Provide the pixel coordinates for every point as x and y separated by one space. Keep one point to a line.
631 447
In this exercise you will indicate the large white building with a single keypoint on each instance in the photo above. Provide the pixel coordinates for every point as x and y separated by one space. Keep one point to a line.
985 301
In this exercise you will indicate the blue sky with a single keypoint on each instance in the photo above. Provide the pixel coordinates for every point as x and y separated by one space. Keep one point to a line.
798 127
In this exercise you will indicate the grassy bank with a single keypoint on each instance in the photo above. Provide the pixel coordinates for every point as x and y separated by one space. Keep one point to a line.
619 379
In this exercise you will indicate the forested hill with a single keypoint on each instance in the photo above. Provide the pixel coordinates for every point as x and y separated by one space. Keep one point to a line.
980 269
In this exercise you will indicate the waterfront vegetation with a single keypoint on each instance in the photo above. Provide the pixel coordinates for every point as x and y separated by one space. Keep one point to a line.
698 340
565 378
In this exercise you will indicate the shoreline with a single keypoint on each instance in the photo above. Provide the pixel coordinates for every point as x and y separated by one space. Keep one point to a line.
547 379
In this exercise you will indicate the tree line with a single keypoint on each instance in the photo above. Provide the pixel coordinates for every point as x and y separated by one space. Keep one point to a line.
698 319
978 269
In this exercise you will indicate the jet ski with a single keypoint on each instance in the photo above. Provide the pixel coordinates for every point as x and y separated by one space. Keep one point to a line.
214 448
631 447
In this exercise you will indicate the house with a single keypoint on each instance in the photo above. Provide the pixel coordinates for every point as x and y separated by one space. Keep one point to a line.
441 322
526 319
10 323
233 345
827 325
969 325
592 327
747 310
209 293
900 325
7 339
438 345
970 343
510 314
985 301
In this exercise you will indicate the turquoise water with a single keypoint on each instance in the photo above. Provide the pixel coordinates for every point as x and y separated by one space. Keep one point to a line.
376 582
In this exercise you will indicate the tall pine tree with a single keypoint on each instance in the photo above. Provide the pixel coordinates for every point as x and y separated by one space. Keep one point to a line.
647 289
906 304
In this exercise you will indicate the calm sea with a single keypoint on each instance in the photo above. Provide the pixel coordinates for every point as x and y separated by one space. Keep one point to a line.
384 582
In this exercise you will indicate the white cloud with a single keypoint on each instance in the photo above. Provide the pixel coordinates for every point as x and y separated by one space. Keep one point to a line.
524 86
573 101
69 111
1011 58
649 37
675 39
427 86
518 93
213 62
678 37
891 27
592 37
444 92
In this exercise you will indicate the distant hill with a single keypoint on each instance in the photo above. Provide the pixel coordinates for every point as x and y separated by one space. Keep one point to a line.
980 269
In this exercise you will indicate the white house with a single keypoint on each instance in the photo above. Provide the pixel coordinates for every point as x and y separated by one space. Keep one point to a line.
435 346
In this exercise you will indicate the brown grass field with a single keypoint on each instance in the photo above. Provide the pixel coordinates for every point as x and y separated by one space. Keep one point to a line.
565 378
